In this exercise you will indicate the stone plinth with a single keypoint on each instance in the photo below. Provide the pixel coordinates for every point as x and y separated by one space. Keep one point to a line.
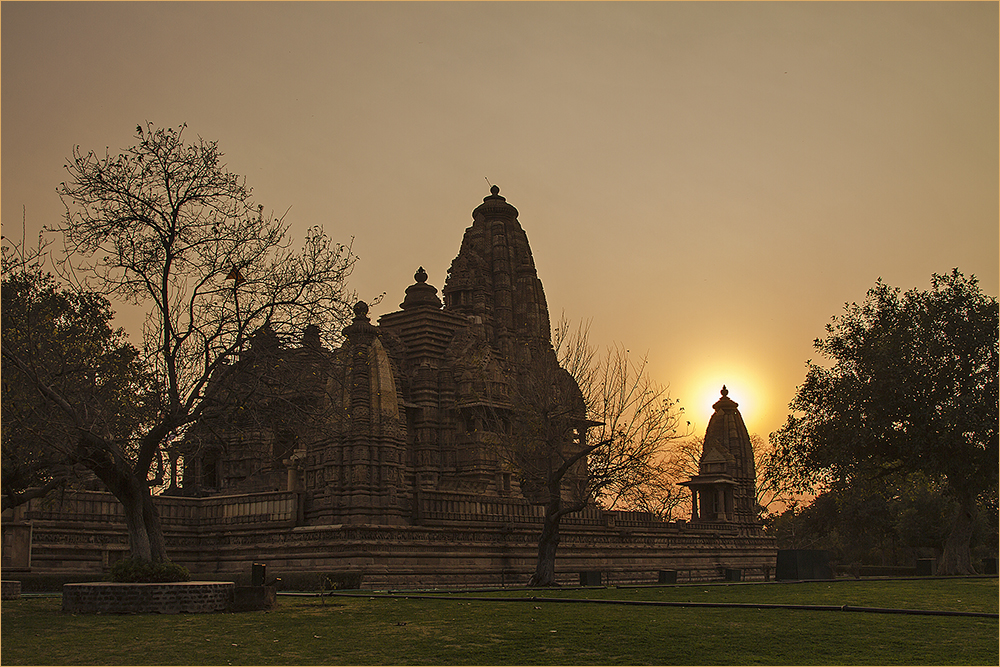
254 598
11 590
192 597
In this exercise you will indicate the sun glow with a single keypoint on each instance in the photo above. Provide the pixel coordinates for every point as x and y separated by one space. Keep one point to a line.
747 391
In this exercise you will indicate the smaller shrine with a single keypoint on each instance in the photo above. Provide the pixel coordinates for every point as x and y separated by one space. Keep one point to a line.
724 488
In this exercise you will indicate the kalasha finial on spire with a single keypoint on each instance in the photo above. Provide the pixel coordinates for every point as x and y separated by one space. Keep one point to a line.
725 402
495 206
361 328
420 293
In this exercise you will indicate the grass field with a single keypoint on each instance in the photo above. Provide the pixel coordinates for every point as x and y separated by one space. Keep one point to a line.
523 628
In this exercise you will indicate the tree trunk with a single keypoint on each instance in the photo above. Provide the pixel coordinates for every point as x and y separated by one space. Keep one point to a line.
545 567
957 556
154 531
142 520
132 490
138 539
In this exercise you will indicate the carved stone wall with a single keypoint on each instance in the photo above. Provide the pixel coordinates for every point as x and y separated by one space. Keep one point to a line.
464 541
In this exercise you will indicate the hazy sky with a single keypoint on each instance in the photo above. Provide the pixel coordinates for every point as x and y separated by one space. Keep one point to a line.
708 182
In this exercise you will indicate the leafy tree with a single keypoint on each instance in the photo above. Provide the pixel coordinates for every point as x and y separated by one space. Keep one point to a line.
63 348
774 490
911 387
921 514
583 431
165 225
884 522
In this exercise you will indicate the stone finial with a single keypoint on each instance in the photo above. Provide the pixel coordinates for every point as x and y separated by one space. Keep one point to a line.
725 403
420 293
361 328
495 206
310 337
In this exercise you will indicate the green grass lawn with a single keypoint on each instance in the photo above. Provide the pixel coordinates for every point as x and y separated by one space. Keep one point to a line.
521 630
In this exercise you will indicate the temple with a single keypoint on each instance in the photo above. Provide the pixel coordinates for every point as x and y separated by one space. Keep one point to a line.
382 456
404 409
724 488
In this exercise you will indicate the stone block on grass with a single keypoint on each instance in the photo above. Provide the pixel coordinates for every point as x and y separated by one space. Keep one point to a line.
254 598
11 590
667 577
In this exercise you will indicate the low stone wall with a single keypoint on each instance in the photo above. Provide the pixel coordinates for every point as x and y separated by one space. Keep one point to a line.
11 590
192 597
277 508
437 551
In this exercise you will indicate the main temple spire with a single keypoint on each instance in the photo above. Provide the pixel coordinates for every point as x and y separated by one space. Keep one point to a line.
493 281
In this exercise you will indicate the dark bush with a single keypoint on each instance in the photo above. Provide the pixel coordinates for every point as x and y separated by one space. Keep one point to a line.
310 580
134 570
339 581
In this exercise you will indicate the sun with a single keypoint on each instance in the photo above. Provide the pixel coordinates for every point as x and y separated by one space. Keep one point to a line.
743 388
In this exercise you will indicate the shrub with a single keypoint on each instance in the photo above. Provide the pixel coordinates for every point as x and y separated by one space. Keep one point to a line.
339 581
134 570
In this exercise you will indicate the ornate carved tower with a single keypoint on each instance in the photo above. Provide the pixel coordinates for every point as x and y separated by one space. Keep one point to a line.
359 473
493 281
725 488
426 332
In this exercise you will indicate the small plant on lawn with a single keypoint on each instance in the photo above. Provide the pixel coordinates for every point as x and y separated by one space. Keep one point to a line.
135 570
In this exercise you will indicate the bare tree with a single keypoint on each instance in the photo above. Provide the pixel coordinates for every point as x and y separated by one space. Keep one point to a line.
661 494
773 490
582 432
164 225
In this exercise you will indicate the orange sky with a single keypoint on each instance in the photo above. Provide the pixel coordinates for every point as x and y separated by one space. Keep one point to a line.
708 182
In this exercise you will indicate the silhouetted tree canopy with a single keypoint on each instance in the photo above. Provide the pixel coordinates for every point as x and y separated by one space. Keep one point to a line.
886 523
910 387
64 349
